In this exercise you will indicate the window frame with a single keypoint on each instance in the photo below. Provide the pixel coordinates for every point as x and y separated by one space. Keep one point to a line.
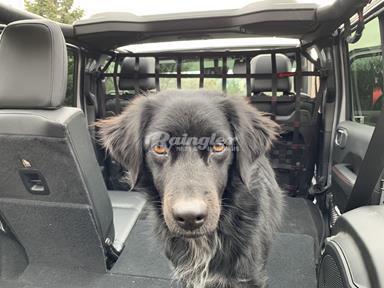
76 81
350 101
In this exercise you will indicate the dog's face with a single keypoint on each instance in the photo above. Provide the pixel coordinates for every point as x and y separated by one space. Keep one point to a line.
188 142
188 150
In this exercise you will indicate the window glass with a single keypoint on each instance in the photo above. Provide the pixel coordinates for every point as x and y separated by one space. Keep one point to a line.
190 83
235 86
109 84
366 75
213 84
168 67
168 84
70 98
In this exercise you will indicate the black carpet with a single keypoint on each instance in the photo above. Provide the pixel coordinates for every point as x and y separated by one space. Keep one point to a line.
47 277
142 254
142 265
302 217
291 263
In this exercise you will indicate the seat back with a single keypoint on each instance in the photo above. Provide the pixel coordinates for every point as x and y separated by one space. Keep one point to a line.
239 67
117 179
52 194
293 156
131 83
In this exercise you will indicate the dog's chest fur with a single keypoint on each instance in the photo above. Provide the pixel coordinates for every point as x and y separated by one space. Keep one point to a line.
192 260
201 263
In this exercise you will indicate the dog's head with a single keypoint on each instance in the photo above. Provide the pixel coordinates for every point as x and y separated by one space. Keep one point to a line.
188 142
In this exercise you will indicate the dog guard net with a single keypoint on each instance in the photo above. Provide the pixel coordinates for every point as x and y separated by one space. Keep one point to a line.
294 155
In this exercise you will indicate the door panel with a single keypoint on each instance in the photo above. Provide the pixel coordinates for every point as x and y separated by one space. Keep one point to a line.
351 143
364 70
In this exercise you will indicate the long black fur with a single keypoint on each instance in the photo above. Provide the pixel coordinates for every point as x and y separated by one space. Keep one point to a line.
251 203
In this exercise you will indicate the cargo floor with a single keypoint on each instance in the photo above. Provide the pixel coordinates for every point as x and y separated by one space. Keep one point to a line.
291 264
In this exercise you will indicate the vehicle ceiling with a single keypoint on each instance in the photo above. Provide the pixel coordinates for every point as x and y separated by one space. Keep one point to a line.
284 18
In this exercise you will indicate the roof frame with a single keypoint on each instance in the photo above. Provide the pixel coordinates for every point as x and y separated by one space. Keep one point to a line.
108 31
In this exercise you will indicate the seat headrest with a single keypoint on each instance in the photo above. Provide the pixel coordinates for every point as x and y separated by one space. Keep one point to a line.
262 64
33 70
239 67
128 66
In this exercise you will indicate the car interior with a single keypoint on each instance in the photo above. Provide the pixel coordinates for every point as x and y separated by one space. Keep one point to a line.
68 214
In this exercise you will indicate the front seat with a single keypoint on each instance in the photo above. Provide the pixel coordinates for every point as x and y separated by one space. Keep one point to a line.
52 193
293 156
117 178
130 85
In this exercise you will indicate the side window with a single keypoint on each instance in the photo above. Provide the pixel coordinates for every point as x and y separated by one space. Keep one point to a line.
366 75
70 98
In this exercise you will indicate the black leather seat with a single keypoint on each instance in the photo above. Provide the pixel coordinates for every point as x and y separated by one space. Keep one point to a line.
293 160
129 85
52 193
286 97
239 67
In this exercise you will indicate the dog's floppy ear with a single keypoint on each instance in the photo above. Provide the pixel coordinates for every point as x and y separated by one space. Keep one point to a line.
254 133
123 136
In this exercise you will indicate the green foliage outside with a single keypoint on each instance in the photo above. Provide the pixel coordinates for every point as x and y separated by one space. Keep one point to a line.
57 10
367 73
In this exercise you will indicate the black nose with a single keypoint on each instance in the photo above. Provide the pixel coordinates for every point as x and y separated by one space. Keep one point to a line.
190 215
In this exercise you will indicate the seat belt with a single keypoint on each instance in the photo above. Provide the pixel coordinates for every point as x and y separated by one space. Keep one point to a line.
370 170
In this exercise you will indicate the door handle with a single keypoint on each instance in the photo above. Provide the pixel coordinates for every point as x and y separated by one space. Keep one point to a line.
341 138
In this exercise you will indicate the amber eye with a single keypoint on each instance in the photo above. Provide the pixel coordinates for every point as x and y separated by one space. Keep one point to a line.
160 149
218 147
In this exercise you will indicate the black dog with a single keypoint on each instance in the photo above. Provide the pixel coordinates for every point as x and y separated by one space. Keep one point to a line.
201 158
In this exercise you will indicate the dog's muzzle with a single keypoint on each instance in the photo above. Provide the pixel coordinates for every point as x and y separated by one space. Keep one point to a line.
190 215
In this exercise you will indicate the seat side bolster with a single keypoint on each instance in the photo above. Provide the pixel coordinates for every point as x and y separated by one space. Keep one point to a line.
84 154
